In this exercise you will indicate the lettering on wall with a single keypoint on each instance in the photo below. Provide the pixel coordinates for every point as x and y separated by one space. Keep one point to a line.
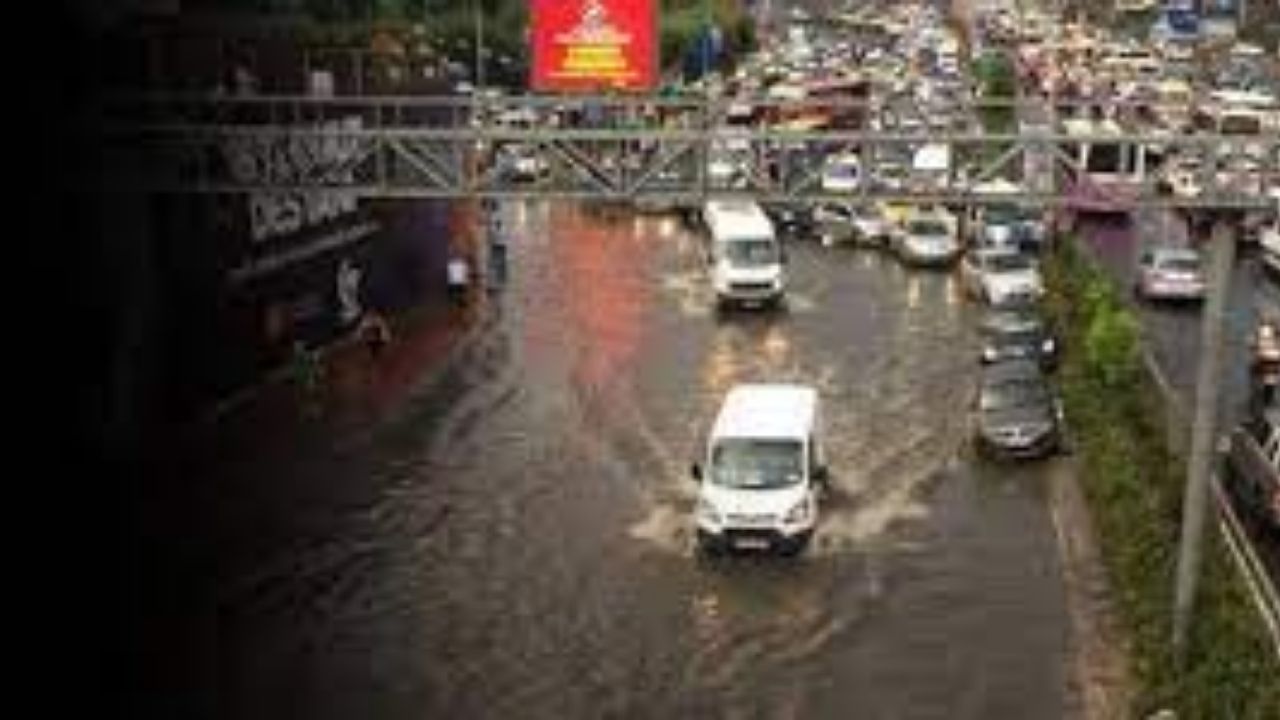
267 160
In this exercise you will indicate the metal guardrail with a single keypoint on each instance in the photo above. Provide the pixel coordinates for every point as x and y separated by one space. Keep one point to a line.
1260 585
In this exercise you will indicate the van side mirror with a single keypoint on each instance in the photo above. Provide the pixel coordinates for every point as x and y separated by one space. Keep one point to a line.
695 471
821 474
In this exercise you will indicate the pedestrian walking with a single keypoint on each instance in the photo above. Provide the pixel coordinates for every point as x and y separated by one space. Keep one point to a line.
375 333
307 376
497 252
459 279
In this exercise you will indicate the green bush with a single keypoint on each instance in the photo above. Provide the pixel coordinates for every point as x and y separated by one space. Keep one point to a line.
1111 340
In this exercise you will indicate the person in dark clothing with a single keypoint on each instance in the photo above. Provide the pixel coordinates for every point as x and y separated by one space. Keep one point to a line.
375 333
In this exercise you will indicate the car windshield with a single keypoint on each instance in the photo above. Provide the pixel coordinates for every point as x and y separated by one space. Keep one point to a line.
1008 262
927 227
757 464
1016 338
751 252
1180 264
1010 395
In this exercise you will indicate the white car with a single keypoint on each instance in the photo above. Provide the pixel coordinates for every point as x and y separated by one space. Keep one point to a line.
928 238
1001 275
871 225
842 173
1170 273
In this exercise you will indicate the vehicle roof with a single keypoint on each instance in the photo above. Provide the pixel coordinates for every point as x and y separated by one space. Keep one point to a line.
1011 371
737 217
767 410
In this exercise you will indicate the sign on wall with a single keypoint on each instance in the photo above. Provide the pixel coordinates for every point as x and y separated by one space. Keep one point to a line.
594 45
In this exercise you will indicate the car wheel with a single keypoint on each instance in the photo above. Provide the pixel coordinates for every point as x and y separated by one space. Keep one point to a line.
792 548
707 548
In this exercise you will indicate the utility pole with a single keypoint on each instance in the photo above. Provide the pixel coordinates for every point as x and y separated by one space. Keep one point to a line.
1203 431
479 12
706 42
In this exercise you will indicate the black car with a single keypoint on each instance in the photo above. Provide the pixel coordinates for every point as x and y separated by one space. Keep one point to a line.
1018 415
792 219
1018 334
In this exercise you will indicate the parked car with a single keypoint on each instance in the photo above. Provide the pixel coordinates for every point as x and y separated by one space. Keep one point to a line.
928 237
1170 273
1001 275
1253 469
1018 414
1018 335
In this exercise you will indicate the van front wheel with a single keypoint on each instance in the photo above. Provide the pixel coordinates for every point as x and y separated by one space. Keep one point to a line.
792 547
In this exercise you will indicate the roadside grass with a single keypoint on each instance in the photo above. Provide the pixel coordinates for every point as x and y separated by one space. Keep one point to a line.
1133 482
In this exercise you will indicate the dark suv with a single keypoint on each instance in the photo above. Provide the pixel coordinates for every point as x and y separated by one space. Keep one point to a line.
1253 469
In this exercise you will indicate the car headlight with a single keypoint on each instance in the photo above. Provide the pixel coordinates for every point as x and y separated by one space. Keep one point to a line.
707 513
797 514
1037 430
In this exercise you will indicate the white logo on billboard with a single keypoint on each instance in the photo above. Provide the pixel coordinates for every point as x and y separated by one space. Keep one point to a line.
594 27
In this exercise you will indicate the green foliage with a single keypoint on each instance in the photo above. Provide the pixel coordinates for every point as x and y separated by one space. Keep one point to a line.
1133 482
1111 337
997 81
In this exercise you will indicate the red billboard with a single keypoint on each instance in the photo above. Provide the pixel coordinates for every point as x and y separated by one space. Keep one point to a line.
594 45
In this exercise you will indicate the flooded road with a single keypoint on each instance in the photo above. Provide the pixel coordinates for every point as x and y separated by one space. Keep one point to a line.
516 540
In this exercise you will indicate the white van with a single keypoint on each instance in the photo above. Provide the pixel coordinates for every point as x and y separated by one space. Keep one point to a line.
764 471
748 264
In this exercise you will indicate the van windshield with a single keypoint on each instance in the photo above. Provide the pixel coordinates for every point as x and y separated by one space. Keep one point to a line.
753 252
757 464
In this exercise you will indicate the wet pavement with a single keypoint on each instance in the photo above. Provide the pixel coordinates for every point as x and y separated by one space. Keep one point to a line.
512 537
